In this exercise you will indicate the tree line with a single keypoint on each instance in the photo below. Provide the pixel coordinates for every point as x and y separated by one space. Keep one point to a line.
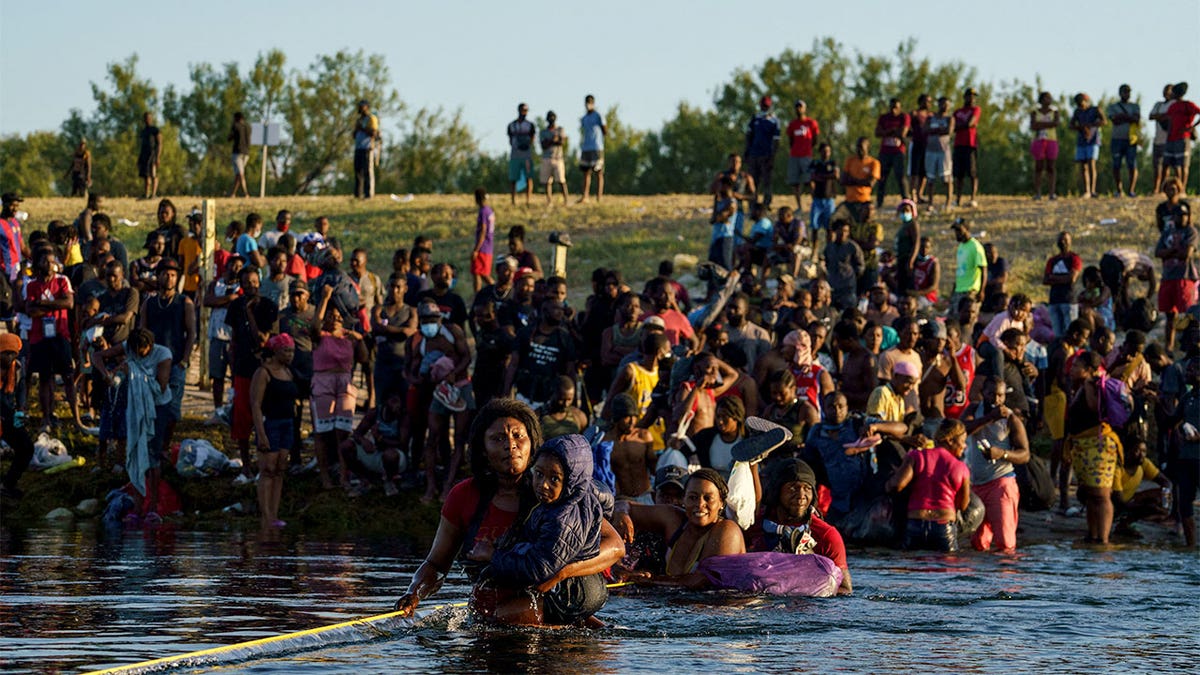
433 150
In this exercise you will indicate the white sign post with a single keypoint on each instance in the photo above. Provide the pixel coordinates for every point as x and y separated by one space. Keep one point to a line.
266 134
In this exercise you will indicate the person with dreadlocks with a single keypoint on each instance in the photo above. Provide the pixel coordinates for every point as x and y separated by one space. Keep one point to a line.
790 522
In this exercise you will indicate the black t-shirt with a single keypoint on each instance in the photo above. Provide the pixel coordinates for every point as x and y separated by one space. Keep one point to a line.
824 184
240 135
543 358
1167 214
454 308
492 347
149 142
245 344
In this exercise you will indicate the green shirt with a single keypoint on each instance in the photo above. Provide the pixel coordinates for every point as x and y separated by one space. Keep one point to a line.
972 265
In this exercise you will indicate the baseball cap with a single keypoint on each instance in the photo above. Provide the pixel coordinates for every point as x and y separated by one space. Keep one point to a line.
507 260
670 474
934 329
906 202
961 224
428 308
168 264
765 101
799 102
12 198
297 286
970 91
655 321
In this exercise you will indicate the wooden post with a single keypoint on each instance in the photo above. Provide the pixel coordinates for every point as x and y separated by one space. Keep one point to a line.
558 260
208 272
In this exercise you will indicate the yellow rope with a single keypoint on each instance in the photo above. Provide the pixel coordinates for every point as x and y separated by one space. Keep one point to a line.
217 651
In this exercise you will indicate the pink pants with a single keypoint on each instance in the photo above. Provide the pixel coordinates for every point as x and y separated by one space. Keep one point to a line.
1000 500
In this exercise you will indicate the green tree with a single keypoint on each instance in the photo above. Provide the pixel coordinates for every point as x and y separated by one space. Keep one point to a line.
319 110
34 165
434 154
689 149
203 116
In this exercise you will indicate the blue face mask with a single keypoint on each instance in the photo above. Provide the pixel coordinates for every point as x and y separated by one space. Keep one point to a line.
906 217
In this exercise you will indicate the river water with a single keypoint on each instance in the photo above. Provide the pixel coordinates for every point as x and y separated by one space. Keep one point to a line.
72 600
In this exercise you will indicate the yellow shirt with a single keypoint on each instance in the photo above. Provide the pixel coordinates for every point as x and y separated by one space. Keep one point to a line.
189 251
641 386
885 405
1130 482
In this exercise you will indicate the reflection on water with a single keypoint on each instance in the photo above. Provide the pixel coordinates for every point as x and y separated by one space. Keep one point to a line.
70 599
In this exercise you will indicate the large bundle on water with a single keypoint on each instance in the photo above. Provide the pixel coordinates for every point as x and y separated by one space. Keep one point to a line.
773 573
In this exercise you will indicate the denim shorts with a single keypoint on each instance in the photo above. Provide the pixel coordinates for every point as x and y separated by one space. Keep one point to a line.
1087 153
1124 151
929 535
279 434
822 211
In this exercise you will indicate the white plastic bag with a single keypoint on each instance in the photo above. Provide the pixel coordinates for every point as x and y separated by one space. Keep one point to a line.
198 458
48 452
741 503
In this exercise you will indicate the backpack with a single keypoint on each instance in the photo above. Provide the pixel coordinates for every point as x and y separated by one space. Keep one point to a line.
1116 404
1035 484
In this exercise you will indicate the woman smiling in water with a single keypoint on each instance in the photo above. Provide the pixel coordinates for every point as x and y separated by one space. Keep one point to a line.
697 531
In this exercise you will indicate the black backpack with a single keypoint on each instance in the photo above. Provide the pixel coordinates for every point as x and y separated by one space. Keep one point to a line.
1036 484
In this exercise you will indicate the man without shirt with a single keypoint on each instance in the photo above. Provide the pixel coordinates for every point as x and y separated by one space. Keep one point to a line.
632 451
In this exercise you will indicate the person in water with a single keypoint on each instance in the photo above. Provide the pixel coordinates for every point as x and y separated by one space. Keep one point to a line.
697 531
789 521
563 528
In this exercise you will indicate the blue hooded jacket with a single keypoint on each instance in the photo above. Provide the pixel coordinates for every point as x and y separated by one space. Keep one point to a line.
564 531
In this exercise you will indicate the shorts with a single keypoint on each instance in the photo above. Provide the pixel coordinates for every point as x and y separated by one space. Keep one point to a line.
242 422
518 169
239 163
1158 153
279 434
553 169
574 599
916 159
218 358
481 264
937 165
822 211
965 159
1176 295
466 392
591 160
1087 153
1043 149
51 356
1177 153
333 399
799 170
1124 151
1185 472
146 168
929 535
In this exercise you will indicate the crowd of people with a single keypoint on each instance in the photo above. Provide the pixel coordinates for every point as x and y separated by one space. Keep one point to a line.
822 369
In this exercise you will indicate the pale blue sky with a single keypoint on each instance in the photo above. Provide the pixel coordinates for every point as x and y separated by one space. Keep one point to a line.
644 55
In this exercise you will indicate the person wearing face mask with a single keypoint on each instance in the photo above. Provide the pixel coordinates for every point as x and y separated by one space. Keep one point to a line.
439 358
908 238
789 521
544 352
283 222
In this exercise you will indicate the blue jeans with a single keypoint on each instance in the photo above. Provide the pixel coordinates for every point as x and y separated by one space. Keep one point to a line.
720 251
928 535
822 211
1061 316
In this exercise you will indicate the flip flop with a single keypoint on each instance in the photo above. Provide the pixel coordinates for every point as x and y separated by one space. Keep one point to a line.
756 448
864 442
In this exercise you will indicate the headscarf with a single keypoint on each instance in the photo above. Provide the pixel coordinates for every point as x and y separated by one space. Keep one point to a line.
280 341
801 341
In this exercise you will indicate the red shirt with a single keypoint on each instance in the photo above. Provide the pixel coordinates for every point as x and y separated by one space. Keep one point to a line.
829 540
1180 114
56 288
801 134
677 326
891 145
221 259
459 509
808 383
919 117
956 401
964 135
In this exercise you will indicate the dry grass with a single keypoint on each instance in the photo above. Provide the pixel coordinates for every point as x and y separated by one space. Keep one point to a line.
634 233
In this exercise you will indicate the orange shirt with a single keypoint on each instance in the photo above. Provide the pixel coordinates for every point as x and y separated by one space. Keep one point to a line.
189 253
859 169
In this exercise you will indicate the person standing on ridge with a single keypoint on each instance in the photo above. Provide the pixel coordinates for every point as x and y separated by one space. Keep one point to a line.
521 133
762 140
150 149
802 134
591 148
1126 118
239 134
366 135
966 146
